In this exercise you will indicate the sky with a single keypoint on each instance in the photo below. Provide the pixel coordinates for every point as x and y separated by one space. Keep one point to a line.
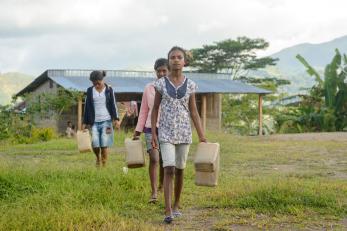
36 35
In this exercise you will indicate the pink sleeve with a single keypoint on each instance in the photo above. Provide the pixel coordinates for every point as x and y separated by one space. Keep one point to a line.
143 111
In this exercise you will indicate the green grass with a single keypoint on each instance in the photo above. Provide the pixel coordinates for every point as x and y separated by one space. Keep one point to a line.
263 184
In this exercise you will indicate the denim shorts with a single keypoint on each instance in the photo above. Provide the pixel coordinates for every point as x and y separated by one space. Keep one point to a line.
148 138
99 136
174 154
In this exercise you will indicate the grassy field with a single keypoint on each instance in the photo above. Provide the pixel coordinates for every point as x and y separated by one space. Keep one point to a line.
265 184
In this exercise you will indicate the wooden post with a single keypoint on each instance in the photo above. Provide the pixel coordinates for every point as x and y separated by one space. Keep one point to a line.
260 109
79 114
220 99
203 111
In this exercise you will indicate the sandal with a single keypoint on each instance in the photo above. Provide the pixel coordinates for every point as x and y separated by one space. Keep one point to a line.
153 200
168 219
176 213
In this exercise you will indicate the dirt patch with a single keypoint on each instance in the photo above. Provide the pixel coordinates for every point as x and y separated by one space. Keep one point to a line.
208 219
221 219
339 175
193 219
120 150
243 228
322 136
344 223
285 168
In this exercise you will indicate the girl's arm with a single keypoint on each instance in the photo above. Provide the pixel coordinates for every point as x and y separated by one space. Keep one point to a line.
116 121
116 116
196 118
84 122
142 115
154 119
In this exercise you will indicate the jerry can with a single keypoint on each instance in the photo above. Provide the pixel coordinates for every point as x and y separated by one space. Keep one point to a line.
206 164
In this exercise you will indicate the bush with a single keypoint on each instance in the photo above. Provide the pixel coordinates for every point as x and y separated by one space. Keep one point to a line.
33 135
5 131
17 128
289 126
42 134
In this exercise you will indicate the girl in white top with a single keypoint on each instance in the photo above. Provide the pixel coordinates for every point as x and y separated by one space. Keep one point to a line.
100 113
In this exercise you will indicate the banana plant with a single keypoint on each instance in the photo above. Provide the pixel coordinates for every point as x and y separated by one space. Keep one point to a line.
333 86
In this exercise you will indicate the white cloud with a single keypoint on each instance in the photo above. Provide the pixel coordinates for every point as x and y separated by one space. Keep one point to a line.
123 34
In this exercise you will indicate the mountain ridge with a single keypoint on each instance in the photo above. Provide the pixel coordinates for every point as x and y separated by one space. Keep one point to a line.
318 55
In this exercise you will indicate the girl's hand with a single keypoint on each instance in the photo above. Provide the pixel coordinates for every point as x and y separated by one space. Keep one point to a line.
154 142
202 139
136 135
85 127
116 124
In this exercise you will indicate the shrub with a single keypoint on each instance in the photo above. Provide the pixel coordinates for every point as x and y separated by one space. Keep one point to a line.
42 134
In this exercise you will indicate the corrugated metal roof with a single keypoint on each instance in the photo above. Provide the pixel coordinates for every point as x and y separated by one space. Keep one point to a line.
135 81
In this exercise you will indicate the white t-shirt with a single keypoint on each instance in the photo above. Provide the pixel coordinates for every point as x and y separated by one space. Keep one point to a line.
101 112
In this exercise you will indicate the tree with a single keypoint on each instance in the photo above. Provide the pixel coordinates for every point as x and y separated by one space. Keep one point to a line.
52 103
240 114
235 57
329 95
19 127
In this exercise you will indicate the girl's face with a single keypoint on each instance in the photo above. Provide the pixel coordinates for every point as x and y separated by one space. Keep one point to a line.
161 71
176 60
99 84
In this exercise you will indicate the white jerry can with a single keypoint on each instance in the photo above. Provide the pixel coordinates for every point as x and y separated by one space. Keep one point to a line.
207 164
135 157
84 143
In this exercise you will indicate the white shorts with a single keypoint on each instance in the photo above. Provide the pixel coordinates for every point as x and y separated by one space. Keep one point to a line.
174 154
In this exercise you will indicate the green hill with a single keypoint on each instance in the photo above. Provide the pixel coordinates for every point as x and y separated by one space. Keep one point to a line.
317 55
11 83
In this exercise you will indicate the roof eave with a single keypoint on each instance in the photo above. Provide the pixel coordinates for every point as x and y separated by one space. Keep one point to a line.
34 84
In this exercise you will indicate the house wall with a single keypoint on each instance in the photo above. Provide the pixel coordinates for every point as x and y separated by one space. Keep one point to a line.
59 124
50 120
213 110
68 115
48 86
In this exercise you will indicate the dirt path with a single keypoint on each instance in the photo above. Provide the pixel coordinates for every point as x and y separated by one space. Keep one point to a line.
323 136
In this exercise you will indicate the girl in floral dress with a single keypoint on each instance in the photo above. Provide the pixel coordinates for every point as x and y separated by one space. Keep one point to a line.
175 95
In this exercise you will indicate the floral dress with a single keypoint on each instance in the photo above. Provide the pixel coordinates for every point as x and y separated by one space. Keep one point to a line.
174 122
